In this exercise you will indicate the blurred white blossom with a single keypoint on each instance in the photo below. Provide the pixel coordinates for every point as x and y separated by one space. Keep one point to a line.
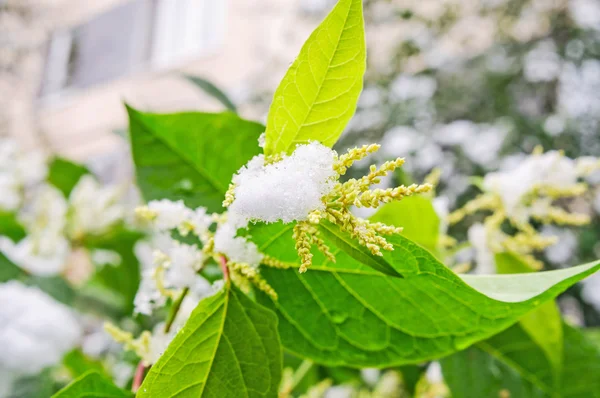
35 330
93 208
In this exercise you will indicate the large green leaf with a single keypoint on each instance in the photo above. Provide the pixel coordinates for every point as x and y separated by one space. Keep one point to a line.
228 348
514 362
347 313
190 156
418 218
92 385
64 174
318 95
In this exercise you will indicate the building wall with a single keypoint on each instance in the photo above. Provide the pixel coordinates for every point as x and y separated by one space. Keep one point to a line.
260 39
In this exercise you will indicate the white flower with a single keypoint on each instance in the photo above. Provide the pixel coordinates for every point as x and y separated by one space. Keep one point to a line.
342 391
563 250
484 257
484 148
93 208
555 125
591 290
10 199
46 213
31 168
17 171
102 257
542 63
169 214
147 297
441 205
200 221
236 248
550 168
586 13
401 141
428 157
370 376
35 330
166 215
45 250
406 87
579 89
122 373
44 254
180 263
287 190
434 373
459 132
185 261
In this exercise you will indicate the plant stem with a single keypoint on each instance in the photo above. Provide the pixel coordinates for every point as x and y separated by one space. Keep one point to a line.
299 374
138 378
223 263
175 309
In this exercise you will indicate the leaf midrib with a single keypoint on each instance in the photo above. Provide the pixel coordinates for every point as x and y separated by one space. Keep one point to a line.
220 331
321 83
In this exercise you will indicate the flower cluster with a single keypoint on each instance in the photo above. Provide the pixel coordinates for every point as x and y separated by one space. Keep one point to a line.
171 269
36 331
528 193
54 224
305 188
171 266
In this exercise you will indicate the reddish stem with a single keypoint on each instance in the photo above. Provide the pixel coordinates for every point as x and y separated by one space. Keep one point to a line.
138 378
224 268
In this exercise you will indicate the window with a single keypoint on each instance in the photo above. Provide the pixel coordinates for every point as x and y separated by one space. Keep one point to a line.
138 35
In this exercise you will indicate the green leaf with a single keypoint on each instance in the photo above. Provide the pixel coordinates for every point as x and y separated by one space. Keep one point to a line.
473 373
418 218
11 227
348 314
92 385
318 94
511 263
544 327
411 374
345 242
122 280
9 270
228 348
78 364
64 174
593 336
55 286
33 386
190 156
212 90
514 362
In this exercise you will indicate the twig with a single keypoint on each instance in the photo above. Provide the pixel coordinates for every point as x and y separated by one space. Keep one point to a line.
175 309
223 263
138 378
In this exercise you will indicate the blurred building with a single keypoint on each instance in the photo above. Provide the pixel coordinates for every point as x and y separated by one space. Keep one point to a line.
66 66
